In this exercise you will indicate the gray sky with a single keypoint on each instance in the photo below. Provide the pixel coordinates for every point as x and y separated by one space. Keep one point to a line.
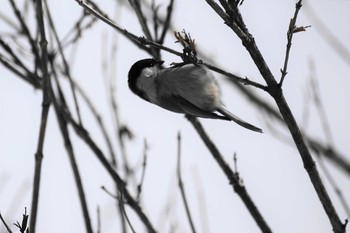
271 169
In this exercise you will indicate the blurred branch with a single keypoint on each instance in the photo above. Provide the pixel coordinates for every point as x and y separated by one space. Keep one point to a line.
84 135
109 66
143 172
240 190
334 185
98 118
27 34
64 61
98 213
124 212
276 93
181 186
316 98
167 21
120 199
32 79
328 34
69 148
202 206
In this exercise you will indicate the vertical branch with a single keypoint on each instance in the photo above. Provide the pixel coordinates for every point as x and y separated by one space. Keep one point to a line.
143 172
143 22
167 21
181 186
44 114
65 64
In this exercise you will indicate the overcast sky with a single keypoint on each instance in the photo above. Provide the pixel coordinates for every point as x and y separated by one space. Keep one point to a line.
270 168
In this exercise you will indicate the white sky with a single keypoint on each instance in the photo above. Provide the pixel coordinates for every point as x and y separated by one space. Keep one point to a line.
272 170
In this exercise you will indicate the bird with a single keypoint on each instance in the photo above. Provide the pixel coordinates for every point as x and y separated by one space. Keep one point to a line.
188 88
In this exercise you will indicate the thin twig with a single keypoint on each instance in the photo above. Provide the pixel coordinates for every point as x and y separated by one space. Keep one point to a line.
120 199
236 78
181 186
240 190
290 33
125 214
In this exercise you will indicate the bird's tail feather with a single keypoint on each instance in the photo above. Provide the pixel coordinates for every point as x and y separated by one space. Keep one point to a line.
236 119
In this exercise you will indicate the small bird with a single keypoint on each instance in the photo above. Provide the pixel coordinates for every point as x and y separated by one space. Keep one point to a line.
189 89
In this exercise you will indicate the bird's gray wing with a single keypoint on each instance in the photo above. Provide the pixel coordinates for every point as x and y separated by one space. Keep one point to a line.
193 83
179 104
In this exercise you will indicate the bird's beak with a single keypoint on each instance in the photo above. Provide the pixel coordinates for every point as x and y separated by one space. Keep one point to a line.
160 62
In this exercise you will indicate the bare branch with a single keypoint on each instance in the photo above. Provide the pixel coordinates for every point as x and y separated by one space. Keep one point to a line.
27 33
44 114
65 64
241 191
84 135
276 92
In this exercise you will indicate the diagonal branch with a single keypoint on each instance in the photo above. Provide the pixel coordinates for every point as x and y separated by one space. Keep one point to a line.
69 148
234 181
275 91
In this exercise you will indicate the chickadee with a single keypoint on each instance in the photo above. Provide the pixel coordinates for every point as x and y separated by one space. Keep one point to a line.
189 89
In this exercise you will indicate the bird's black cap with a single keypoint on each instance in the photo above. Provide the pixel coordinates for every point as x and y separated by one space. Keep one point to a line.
135 72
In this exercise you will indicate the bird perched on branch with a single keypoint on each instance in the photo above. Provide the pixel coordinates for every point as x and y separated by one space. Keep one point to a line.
189 89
